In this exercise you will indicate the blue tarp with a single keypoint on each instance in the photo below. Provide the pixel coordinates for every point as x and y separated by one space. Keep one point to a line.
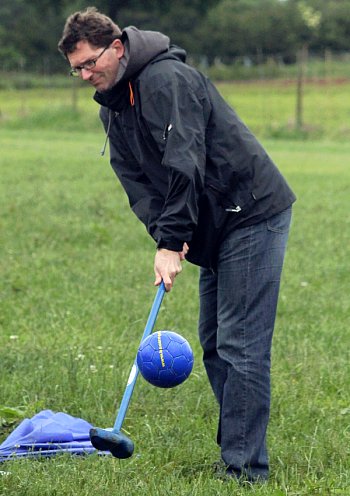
47 434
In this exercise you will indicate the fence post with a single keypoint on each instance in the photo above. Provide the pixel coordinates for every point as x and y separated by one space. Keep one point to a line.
74 95
302 56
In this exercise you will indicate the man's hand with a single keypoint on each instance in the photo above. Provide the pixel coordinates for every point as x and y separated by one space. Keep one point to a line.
184 252
167 264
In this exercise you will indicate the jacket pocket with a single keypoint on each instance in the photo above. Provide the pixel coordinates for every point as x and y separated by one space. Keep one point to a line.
232 199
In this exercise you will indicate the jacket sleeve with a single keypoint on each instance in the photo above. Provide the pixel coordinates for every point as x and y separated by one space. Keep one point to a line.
145 201
176 118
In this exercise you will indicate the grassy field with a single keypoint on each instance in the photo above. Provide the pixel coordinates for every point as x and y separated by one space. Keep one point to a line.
76 288
267 107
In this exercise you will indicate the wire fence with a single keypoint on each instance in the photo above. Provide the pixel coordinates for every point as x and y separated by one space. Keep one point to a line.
329 65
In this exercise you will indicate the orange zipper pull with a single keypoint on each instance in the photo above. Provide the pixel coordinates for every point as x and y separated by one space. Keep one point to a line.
132 101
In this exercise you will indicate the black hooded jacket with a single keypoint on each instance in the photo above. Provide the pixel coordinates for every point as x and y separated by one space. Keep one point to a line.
190 167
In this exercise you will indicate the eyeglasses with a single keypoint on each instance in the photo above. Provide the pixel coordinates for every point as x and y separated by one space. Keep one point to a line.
90 64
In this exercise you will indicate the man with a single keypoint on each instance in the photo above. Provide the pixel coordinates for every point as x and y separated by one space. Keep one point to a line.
206 191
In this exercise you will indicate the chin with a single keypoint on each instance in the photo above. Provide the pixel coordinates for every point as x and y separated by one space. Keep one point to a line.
102 88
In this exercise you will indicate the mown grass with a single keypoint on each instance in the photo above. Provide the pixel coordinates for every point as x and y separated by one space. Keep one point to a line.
76 288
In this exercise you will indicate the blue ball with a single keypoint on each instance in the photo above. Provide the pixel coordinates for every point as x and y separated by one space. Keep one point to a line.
165 359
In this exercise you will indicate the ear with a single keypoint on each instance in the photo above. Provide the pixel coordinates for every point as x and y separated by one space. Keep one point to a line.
119 47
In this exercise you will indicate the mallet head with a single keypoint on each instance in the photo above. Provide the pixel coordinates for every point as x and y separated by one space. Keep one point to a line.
117 443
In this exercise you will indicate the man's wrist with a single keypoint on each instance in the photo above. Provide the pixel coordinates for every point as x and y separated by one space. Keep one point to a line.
172 245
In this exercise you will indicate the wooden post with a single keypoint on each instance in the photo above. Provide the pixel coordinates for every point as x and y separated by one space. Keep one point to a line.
328 64
74 95
301 63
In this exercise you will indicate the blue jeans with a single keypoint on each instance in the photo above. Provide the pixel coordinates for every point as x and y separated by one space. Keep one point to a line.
237 315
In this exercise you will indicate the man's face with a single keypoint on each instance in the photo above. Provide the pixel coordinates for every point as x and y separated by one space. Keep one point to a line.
104 75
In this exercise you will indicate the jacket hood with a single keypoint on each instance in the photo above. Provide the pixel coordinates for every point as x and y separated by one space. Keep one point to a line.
140 47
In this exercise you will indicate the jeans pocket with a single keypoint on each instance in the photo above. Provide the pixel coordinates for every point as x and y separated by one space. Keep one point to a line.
280 223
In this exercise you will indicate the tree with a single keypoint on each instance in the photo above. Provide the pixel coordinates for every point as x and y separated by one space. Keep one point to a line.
243 27
334 32
29 34
29 31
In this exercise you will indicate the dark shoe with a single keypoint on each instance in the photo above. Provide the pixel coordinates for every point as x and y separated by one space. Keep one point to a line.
245 476
227 473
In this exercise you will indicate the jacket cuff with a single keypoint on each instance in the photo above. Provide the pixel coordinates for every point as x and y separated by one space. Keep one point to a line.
170 244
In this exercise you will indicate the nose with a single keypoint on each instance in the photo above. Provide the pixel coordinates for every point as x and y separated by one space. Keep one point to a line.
85 74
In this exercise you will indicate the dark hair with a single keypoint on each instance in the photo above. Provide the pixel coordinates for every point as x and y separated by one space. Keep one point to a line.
88 25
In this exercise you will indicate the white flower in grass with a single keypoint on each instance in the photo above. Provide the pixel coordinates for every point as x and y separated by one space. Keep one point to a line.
93 368
13 337
303 284
80 357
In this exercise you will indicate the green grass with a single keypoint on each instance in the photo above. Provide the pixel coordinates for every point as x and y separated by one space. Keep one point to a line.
316 69
76 288
267 107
